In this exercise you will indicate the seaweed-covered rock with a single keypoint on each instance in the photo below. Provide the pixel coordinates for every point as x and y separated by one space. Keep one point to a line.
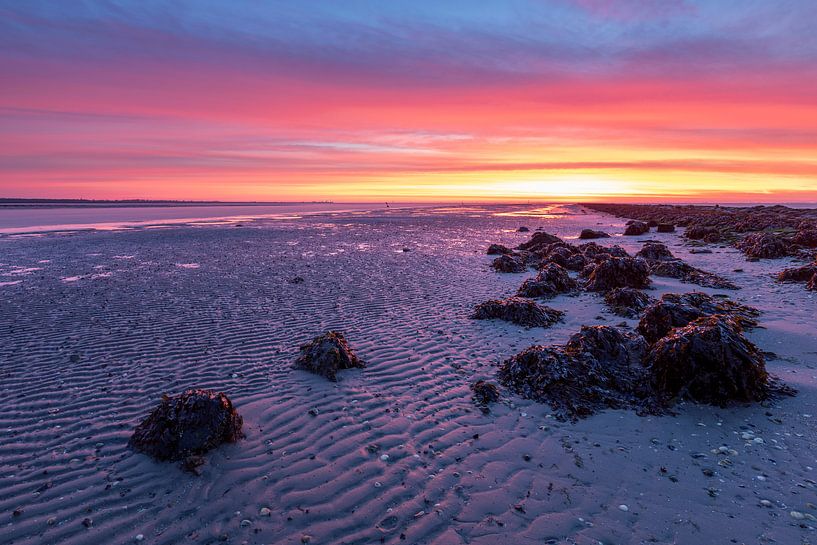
186 425
509 264
655 251
498 249
550 281
707 233
637 228
708 361
619 272
592 250
665 228
539 239
598 369
687 273
519 311
677 310
576 262
607 345
627 302
588 234
806 236
484 393
764 246
327 354
798 274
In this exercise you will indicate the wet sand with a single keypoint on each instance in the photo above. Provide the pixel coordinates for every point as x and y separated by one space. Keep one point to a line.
97 325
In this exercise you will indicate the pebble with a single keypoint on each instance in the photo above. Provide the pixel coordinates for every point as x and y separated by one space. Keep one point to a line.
384 457
265 512
797 515
139 537
623 507
246 522
766 503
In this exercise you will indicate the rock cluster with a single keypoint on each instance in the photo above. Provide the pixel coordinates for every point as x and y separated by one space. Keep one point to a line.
663 263
327 354
187 425
519 311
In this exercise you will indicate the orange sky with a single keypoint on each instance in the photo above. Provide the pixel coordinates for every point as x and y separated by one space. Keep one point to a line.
559 101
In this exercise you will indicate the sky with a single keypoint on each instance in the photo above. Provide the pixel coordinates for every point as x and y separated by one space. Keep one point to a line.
428 100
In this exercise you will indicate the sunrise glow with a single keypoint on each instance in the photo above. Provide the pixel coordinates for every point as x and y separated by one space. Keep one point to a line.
561 100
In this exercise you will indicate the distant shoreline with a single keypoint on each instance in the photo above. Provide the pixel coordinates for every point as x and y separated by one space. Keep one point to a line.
6 203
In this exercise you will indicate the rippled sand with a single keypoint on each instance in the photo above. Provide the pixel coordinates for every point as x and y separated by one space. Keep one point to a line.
96 326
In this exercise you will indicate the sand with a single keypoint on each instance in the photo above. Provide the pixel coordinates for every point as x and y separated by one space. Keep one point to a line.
95 326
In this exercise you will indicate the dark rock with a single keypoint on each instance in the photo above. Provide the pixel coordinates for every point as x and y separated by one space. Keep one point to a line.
575 262
484 393
550 281
806 237
703 232
798 274
709 361
509 264
627 302
518 311
677 310
539 239
592 250
189 424
652 223
598 369
665 228
587 234
764 246
655 251
637 228
618 272
327 354
687 273
498 249
522 229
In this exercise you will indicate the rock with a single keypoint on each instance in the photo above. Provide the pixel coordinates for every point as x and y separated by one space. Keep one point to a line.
186 425
655 251
509 264
326 354
798 274
665 228
764 246
498 249
677 310
522 229
265 512
637 228
540 239
619 272
518 311
708 361
576 262
687 273
551 280
706 233
484 393
627 302
806 237
597 369
587 234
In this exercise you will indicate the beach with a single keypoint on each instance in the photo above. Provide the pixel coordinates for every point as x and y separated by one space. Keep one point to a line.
97 324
